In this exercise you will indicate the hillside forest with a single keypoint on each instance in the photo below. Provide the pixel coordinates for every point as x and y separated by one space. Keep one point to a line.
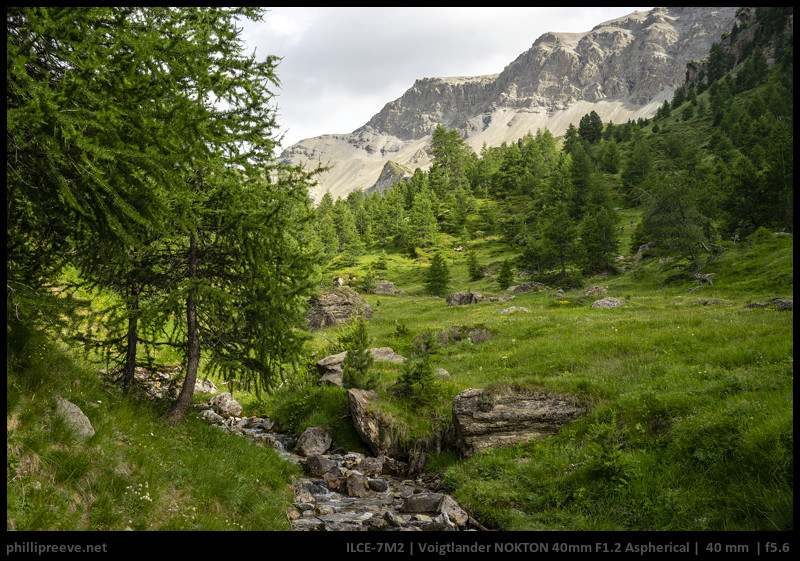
150 223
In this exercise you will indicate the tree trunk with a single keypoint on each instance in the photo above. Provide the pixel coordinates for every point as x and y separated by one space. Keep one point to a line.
178 410
133 339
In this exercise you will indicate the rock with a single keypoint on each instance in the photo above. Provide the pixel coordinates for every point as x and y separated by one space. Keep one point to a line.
779 303
313 441
211 416
386 354
392 519
465 298
608 303
595 291
74 418
438 504
513 309
385 287
558 293
356 485
372 465
335 307
422 503
318 465
330 367
483 419
526 287
205 386
375 429
378 485
225 405
301 492
453 511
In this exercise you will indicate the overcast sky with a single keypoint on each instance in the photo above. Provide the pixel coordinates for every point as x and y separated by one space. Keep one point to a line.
342 65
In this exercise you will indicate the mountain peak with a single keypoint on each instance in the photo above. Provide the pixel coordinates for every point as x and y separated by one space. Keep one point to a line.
622 68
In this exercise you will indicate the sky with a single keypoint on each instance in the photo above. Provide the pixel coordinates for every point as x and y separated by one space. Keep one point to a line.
340 66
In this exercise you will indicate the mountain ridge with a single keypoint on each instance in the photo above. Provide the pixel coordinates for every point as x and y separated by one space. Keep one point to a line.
622 68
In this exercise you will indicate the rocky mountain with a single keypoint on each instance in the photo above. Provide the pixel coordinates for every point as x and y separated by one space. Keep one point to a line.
623 69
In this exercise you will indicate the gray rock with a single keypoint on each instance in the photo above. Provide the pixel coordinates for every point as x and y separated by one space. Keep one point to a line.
314 441
226 405
513 309
211 416
205 386
465 298
527 287
608 303
74 418
503 418
318 465
375 429
385 287
596 291
330 368
336 307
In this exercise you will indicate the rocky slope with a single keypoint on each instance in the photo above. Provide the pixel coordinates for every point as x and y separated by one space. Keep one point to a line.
622 69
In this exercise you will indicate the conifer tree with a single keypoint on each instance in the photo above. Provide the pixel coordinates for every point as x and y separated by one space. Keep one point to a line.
475 270
437 277
505 277
357 367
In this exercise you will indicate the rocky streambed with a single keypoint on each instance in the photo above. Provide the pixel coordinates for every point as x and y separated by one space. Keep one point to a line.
348 491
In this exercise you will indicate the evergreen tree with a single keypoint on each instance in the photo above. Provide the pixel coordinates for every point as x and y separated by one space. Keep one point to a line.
590 127
506 276
437 277
475 270
357 367
638 166
611 158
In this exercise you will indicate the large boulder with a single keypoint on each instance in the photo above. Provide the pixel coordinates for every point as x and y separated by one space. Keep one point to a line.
484 419
74 418
335 307
374 427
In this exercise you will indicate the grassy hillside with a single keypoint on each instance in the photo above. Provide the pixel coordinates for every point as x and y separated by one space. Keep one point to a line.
690 392
690 423
136 472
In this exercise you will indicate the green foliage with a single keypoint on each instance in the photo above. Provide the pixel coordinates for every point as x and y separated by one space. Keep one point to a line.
437 277
506 276
357 367
475 270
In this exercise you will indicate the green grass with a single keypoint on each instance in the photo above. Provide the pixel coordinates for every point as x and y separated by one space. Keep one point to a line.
691 408
136 472
689 424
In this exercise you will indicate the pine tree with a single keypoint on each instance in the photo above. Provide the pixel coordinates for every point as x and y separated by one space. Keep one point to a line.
357 367
437 278
475 270
505 277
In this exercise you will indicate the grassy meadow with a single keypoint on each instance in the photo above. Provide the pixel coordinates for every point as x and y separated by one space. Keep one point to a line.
689 395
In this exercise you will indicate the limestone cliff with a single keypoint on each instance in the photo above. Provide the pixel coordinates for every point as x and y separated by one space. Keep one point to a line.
622 69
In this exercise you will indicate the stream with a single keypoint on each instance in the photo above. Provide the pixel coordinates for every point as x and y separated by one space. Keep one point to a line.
353 492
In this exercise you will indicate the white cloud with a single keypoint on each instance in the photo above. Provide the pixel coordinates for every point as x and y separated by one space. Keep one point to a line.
340 66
